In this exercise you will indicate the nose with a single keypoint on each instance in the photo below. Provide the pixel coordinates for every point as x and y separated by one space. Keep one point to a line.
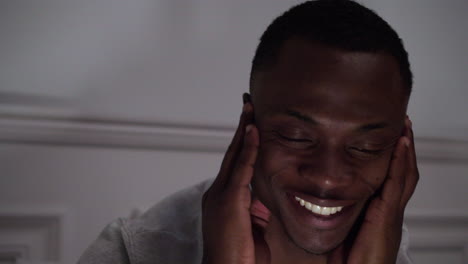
326 171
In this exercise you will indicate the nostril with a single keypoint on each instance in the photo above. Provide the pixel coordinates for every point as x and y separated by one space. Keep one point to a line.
325 178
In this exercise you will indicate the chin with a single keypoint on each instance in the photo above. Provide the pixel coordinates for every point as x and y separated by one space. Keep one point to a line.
320 243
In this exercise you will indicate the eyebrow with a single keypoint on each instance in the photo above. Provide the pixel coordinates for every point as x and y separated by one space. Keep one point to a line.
373 126
302 117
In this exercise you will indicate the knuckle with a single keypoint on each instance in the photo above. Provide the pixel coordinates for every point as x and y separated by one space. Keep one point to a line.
248 155
229 193
245 163
251 146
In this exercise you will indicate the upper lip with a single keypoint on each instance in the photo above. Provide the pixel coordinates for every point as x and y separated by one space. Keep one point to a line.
323 202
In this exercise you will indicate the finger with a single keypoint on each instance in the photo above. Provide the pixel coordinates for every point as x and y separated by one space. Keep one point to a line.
234 148
245 164
395 182
412 176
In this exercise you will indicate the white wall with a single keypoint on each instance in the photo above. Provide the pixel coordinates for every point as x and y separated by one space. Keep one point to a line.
102 101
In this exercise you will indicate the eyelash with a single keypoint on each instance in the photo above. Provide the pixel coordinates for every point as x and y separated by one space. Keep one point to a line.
376 152
294 139
299 143
367 151
362 153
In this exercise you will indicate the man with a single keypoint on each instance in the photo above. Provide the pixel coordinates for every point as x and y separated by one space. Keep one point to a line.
321 166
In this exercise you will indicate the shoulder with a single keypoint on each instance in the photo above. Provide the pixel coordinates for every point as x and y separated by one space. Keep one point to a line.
109 247
173 213
169 232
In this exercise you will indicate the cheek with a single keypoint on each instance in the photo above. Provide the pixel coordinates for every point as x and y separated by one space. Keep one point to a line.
375 173
273 169
273 161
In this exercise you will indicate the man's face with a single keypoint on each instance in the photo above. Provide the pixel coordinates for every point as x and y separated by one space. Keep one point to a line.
328 123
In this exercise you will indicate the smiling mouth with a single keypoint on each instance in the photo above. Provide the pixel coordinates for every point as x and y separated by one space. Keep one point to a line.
320 210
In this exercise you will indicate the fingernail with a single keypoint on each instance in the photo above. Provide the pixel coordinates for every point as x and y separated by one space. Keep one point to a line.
406 142
248 128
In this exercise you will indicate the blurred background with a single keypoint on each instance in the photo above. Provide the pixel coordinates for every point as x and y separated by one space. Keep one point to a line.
108 106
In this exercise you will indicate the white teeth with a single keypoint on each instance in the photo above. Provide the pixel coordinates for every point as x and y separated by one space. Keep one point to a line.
326 210
318 209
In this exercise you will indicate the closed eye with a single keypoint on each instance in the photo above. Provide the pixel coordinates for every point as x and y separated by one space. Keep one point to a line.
295 142
367 151
294 139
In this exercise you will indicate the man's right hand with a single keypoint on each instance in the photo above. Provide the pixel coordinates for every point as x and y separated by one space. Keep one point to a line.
227 226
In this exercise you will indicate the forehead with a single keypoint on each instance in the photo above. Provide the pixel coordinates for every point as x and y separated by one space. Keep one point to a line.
321 80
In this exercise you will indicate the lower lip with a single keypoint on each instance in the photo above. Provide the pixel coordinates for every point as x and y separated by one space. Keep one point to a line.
308 218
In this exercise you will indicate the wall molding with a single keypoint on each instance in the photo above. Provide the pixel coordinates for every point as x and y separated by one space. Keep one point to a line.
165 136
114 134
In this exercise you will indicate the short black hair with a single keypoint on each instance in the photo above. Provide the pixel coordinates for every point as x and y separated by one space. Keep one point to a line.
342 24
